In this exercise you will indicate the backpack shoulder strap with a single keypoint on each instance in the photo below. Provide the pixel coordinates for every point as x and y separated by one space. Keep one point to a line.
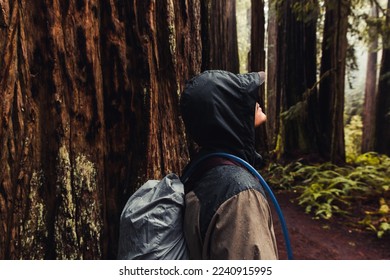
201 169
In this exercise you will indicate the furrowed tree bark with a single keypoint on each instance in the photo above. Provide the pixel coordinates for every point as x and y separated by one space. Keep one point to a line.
52 133
332 73
89 110
156 48
219 35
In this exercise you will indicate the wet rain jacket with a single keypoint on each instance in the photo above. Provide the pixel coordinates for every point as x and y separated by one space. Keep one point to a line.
227 215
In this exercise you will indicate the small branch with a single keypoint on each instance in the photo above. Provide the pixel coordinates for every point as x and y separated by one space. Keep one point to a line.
309 91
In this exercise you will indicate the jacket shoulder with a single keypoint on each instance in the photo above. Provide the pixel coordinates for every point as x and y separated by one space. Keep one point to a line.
219 185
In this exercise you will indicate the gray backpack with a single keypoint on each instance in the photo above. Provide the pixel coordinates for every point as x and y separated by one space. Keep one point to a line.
151 223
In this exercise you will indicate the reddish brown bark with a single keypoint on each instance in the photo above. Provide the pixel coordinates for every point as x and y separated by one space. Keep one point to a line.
370 91
219 35
89 109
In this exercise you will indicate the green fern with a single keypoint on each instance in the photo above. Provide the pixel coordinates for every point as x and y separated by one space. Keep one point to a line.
326 189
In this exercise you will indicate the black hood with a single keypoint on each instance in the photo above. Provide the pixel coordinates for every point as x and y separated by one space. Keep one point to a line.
218 109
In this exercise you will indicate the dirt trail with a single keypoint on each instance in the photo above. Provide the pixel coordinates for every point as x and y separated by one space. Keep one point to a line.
325 240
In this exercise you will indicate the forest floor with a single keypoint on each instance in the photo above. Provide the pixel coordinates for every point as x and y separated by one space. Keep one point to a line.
319 239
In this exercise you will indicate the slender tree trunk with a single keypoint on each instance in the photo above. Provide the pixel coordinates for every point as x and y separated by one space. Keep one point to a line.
331 92
89 93
370 89
273 99
257 63
382 123
257 52
219 35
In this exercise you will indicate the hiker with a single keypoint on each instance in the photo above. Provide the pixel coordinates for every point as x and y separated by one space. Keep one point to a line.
227 215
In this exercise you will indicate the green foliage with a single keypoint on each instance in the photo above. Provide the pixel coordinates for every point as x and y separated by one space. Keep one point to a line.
378 221
353 138
306 11
321 199
282 177
326 190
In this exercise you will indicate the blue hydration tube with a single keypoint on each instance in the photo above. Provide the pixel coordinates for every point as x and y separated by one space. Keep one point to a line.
262 182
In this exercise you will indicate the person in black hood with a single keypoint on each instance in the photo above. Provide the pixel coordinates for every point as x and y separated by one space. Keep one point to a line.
227 215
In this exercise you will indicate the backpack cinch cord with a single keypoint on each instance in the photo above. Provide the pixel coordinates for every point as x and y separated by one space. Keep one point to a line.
264 185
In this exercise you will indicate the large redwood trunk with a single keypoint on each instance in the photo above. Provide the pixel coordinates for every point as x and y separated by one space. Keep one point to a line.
89 109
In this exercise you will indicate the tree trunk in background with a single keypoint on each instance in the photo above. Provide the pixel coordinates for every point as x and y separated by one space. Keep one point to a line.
382 127
296 82
89 109
370 89
332 75
219 35
257 63
273 99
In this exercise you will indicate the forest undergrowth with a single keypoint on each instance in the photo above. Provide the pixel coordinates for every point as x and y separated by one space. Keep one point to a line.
358 192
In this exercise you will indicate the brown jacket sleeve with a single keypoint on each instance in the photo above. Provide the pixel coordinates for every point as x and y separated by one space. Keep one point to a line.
242 228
